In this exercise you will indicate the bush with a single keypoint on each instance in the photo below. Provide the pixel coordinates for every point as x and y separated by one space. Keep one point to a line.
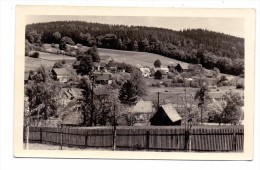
63 61
178 84
170 75
34 54
174 80
179 80
240 86
194 84
167 84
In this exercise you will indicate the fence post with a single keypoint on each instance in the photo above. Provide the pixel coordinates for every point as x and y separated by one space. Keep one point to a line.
27 136
61 137
40 135
114 138
186 140
234 142
86 140
147 140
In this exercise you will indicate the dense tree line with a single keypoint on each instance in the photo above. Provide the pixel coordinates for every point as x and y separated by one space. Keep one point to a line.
211 49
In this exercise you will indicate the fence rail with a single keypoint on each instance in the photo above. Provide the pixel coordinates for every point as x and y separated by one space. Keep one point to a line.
163 139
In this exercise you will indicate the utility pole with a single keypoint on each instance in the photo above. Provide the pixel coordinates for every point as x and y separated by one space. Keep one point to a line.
201 113
158 102
92 101
178 101
114 128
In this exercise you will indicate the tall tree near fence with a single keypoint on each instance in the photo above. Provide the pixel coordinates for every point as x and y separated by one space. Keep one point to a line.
232 112
127 94
138 82
41 96
202 97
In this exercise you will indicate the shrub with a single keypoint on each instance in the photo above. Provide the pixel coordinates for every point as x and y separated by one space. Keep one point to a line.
179 80
174 80
194 84
170 75
178 84
33 54
240 85
63 61
167 84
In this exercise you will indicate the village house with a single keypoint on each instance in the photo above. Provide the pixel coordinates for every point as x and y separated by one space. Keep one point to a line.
141 112
182 67
216 96
60 74
165 69
120 67
70 94
103 66
166 115
112 66
146 72
103 79
160 74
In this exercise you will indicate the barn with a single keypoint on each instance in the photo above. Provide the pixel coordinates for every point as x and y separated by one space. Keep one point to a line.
60 74
182 67
166 115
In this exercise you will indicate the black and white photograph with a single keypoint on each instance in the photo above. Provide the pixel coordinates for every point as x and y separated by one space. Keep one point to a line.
137 84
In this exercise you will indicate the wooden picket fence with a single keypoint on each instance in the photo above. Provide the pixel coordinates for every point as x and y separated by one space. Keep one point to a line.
229 138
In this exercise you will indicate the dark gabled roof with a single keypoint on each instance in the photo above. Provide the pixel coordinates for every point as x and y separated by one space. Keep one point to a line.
184 66
162 72
171 112
60 71
103 77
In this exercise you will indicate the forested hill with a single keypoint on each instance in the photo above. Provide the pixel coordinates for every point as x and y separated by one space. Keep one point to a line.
211 49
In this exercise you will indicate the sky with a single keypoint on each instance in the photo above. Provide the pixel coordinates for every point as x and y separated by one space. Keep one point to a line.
230 26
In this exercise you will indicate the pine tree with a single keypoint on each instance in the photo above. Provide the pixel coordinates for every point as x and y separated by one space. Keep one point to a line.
127 94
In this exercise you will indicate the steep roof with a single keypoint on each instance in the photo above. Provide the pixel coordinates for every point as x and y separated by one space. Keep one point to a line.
103 77
184 66
162 72
142 107
72 92
171 112
215 95
60 71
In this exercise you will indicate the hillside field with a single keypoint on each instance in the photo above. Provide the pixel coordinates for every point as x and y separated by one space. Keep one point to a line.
134 58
